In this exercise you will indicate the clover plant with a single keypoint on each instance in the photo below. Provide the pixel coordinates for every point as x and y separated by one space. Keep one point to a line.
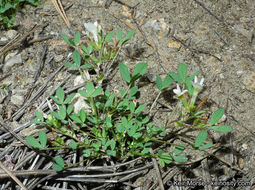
115 125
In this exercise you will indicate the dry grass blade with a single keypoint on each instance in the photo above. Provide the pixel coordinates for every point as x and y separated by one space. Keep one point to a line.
61 11
12 176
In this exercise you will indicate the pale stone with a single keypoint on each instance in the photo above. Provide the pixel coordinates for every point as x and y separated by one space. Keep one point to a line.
10 34
78 80
17 99
13 60
249 81
174 44
80 104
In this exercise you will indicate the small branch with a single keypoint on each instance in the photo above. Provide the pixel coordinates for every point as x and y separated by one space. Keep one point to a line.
155 163
13 176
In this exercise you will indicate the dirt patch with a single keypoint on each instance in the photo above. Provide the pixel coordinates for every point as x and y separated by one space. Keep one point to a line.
214 37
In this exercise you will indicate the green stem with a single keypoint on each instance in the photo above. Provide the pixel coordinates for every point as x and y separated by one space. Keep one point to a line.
93 106
164 142
193 100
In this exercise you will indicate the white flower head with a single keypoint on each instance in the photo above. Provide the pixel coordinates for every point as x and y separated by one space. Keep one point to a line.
93 29
198 85
178 91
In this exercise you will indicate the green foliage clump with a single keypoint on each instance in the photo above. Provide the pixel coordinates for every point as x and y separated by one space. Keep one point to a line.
114 124
8 9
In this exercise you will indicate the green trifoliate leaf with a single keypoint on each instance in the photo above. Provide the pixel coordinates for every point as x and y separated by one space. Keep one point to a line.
119 34
182 71
69 98
109 36
33 142
43 139
67 40
60 94
57 167
180 158
90 88
77 58
128 36
159 83
39 116
124 72
178 150
206 146
201 137
83 115
222 128
75 118
97 92
83 93
70 65
176 77
60 161
167 82
86 153
77 38
140 109
73 144
133 91
216 116
140 69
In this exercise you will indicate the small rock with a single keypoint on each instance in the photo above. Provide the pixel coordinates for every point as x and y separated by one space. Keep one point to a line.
78 80
3 39
15 59
241 163
174 44
109 27
9 55
60 76
125 12
10 34
249 81
59 58
221 76
239 73
151 77
245 146
31 66
160 27
80 104
17 99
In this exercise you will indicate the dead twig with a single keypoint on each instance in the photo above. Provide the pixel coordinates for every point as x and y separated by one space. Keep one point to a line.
210 12
7 48
61 11
155 164
40 39
12 176
220 36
